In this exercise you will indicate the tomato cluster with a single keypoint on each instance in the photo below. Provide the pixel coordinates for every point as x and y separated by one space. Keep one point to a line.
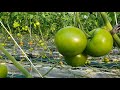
74 45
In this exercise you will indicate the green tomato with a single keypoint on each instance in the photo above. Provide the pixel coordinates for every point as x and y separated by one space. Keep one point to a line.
16 24
4 44
3 70
26 28
100 44
87 62
106 60
37 23
42 44
9 37
75 61
19 35
40 41
70 41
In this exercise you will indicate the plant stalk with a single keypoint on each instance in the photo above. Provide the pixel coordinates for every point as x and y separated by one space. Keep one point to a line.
106 21
79 24
109 26
17 64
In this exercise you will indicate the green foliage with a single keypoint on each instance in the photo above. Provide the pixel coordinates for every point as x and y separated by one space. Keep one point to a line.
50 22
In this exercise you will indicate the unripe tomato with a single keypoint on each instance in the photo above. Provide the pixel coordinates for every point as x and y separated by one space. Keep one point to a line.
106 60
70 41
100 44
87 62
75 61
19 35
37 23
4 44
16 24
9 37
3 70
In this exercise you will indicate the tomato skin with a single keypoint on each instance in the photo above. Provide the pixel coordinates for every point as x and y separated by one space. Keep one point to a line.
3 70
75 61
100 44
37 23
70 41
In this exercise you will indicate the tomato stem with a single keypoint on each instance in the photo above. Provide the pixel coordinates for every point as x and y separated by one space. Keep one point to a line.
79 24
17 64
50 69
109 26
117 39
106 21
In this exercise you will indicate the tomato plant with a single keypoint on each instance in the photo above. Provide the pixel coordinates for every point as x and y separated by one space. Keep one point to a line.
75 61
70 41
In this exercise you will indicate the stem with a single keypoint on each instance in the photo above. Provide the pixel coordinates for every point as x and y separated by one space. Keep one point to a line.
44 41
30 30
106 21
74 19
109 26
50 69
17 64
115 18
78 21
80 24
117 39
